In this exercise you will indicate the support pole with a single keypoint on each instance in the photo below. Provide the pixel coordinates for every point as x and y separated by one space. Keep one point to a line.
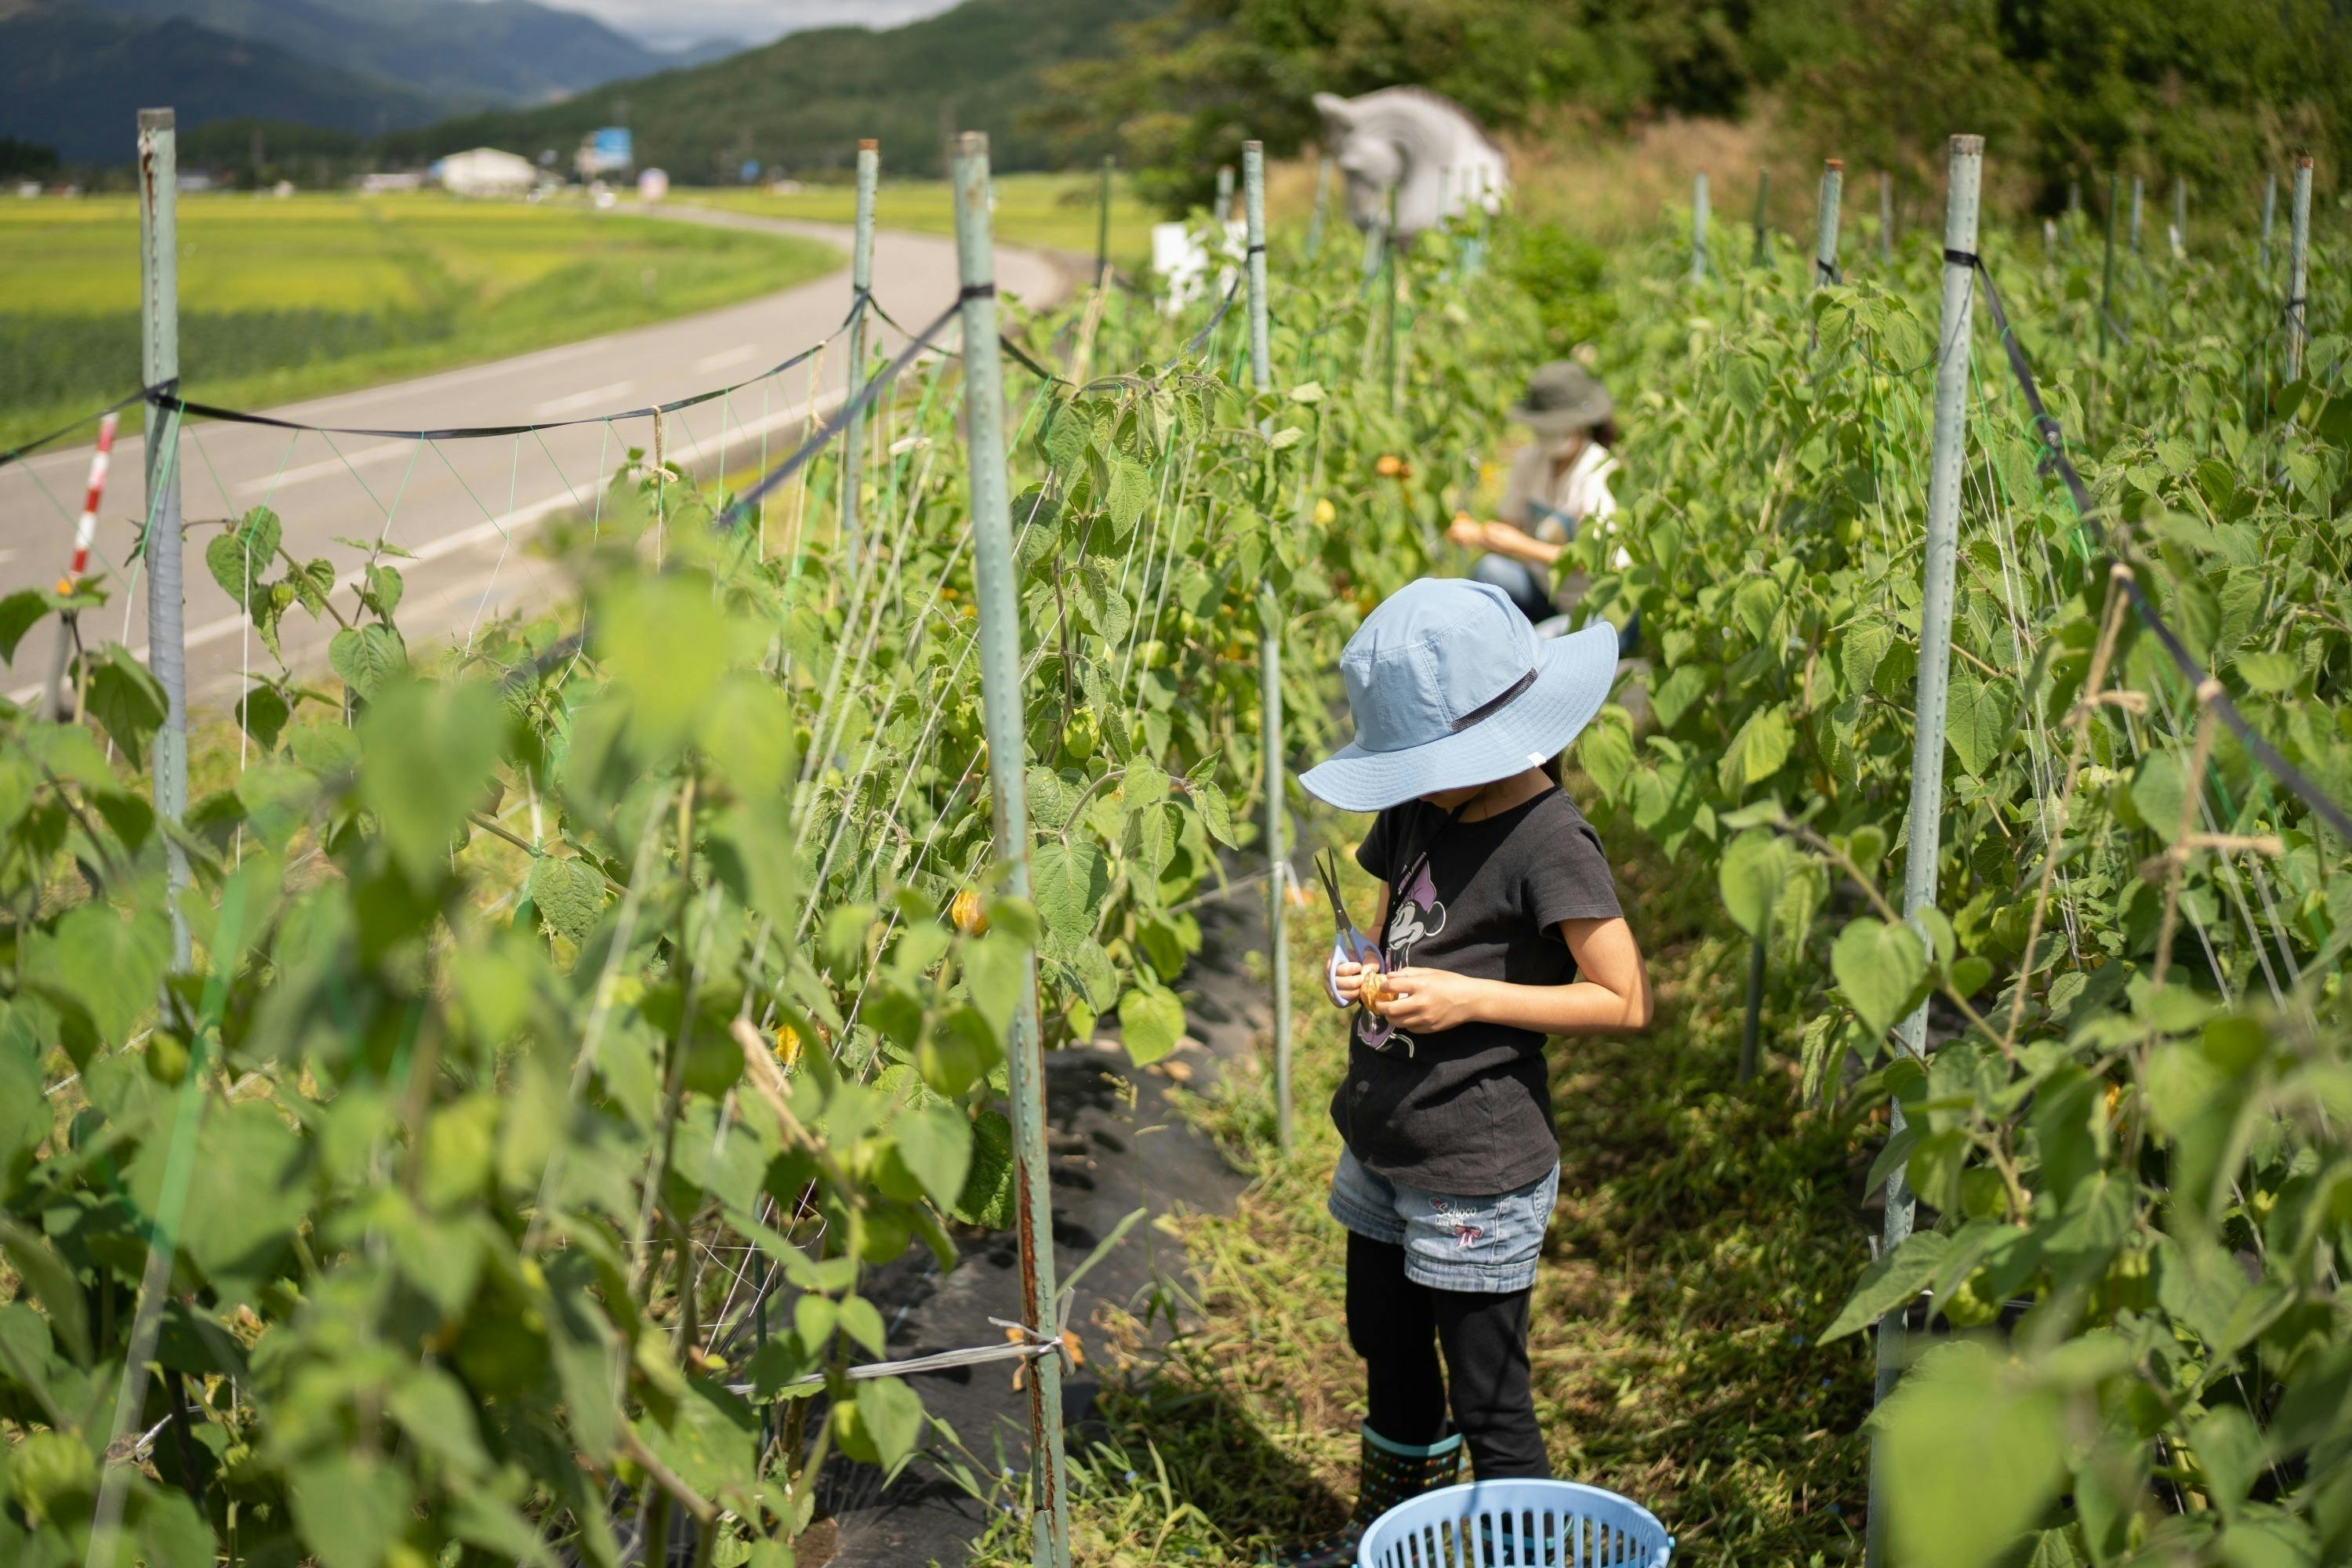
1925 830
1102 223
1751 1033
997 590
1322 206
1269 664
1389 279
2179 217
1885 215
1698 228
1224 211
159 362
861 281
2298 266
2270 218
2138 189
1763 195
1825 233
2107 270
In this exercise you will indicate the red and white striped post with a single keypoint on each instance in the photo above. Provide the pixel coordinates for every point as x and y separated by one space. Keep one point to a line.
85 528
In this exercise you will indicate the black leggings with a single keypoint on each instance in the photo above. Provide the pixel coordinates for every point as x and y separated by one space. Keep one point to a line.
1398 1328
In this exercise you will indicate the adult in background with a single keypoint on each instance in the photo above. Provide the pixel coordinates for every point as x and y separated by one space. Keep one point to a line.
1559 483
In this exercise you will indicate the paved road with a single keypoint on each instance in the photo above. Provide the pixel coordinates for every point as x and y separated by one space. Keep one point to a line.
467 509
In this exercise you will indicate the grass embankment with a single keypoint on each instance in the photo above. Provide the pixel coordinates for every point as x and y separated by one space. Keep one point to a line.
1059 211
282 299
1704 1233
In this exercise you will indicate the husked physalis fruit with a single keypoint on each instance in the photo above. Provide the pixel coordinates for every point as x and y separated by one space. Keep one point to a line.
788 1043
1325 514
965 911
1376 992
1390 466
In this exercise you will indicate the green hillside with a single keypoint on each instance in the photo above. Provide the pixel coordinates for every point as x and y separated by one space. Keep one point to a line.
801 103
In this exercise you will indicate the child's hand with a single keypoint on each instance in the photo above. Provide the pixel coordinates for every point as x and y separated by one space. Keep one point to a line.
1467 530
1427 1000
1348 980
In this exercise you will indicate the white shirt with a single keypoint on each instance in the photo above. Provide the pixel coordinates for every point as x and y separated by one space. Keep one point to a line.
1550 503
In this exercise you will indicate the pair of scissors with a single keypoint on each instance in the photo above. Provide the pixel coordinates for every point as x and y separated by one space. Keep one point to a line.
1351 945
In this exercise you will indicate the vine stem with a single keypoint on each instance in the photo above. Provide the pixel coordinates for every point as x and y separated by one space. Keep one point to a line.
2177 861
2093 686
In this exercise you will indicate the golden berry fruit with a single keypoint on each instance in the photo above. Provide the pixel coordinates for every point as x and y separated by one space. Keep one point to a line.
965 911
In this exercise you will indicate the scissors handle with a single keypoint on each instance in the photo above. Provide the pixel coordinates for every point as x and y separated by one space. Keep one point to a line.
1352 947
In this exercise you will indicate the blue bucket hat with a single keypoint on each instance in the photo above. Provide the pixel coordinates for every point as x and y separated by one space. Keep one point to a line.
1450 686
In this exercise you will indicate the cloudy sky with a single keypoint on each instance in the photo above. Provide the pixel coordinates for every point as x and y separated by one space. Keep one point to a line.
669 22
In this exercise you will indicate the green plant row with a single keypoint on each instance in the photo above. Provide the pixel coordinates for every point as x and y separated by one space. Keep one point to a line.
546 992
2127 1137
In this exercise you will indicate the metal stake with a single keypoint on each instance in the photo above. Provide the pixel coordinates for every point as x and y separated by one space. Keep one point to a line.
1925 831
2137 190
1389 359
1885 215
1825 238
861 281
2270 216
1751 1033
1698 228
1224 192
159 362
2179 217
2298 264
1763 193
2108 271
996 588
1102 224
1269 662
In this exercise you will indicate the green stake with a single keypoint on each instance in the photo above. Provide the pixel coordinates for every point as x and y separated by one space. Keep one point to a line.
2107 270
861 279
1763 194
1698 228
996 587
1269 662
159 362
1925 827
2298 266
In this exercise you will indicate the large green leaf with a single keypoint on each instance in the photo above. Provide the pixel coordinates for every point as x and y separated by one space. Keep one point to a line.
429 749
1977 717
240 557
1067 881
1963 1400
1150 1022
126 699
1881 968
1890 1281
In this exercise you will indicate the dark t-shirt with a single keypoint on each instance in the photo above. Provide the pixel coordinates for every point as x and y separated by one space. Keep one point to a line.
1467 1110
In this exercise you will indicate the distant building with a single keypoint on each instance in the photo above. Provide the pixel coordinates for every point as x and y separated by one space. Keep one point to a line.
486 171
389 181
193 181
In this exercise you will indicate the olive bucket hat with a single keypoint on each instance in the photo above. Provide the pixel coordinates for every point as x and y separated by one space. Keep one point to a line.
1450 686
1563 396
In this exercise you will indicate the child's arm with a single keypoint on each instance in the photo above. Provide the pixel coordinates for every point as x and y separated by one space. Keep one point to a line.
1611 995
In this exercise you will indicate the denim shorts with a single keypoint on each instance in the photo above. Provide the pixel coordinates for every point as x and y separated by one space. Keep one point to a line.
1450 1243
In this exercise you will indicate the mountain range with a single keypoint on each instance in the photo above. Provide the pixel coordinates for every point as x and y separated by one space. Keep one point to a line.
71 71
801 104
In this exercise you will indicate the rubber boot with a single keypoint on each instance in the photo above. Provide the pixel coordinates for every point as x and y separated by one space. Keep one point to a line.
1391 1473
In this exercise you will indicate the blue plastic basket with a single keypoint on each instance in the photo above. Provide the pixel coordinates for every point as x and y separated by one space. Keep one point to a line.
1516 1524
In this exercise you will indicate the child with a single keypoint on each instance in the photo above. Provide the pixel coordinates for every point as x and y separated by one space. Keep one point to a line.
1500 926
